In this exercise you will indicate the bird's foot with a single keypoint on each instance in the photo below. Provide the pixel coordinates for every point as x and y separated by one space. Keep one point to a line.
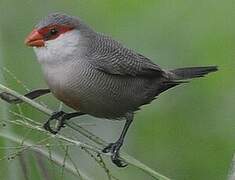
114 148
61 116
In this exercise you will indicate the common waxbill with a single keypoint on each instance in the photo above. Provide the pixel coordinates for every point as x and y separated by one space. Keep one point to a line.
96 75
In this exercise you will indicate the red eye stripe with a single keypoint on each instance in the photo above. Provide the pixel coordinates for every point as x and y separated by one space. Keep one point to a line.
53 31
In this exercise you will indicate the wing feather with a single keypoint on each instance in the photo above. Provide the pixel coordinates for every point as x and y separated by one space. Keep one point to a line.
110 56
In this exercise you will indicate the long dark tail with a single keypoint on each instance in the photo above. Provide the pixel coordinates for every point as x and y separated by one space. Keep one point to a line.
178 76
192 72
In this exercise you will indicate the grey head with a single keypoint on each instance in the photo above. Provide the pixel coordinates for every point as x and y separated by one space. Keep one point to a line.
65 20
59 37
58 18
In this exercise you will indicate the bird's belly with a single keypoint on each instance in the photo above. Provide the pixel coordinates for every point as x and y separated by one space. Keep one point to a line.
93 101
89 92
95 93
96 100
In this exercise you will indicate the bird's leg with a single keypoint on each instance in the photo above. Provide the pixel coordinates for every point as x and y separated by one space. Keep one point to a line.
115 147
61 116
31 95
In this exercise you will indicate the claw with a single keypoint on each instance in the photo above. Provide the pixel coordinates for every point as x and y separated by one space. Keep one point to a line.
108 148
61 117
118 162
47 127
114 149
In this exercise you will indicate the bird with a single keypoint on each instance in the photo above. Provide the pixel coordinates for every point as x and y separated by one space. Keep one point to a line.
96 75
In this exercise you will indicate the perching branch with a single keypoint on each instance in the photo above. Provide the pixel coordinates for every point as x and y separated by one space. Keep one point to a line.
129 159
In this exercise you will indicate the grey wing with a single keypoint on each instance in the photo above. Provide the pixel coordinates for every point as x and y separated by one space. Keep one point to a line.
111 57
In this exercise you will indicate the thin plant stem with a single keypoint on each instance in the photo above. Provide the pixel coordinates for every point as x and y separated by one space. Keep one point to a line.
43 151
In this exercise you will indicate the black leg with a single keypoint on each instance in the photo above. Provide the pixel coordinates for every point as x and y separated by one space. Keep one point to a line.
115 147
31 95
61 116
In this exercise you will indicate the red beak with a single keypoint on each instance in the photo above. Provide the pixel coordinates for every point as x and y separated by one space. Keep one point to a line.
34 39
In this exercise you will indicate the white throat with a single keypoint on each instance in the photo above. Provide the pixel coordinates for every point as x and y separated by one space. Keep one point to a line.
59 50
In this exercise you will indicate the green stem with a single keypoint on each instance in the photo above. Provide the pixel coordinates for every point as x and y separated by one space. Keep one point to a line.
56 158
129 159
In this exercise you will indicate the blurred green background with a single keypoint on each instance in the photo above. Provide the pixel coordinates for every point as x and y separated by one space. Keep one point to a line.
188 133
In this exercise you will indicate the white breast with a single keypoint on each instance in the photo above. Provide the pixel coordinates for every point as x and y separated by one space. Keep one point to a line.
60 49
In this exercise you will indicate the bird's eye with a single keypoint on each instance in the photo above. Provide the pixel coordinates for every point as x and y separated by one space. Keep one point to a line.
53 31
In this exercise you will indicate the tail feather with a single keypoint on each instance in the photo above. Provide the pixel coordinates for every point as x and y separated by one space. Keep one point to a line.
169 84
178 76
192 72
